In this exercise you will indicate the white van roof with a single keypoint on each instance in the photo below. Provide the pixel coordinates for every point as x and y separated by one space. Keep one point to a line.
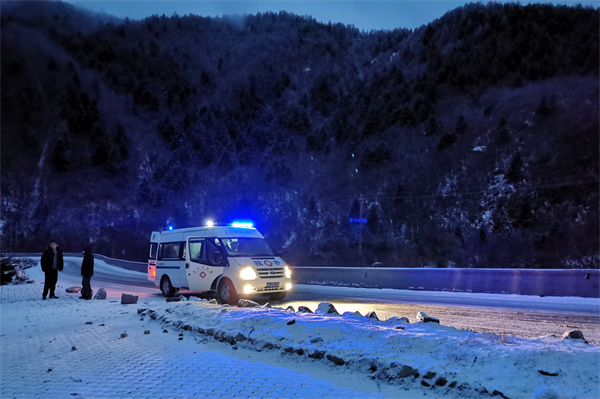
204 231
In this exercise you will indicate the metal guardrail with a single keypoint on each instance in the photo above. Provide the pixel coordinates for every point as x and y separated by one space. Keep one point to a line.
544 282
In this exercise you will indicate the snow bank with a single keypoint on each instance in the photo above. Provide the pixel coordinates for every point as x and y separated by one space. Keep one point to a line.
438 357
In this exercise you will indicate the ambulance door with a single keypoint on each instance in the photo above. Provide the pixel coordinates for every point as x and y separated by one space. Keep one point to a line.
202 266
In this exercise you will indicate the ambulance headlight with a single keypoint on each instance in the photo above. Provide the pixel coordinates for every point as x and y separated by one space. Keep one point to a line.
249 289
288 272
288 286
248 273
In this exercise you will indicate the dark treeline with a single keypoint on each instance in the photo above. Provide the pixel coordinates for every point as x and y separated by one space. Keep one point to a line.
469 142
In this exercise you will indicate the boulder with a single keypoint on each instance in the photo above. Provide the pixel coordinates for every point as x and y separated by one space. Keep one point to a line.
304 309
422 316
267 305
441 381
573 334
173 299
429 375
127 299
213 302
101 294
245 303
240 337
293 321
73 290
407 371
141 310
372 316
317 354
338 361
290 309
327 308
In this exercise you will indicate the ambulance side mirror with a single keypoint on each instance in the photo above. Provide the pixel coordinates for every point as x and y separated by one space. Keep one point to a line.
218 258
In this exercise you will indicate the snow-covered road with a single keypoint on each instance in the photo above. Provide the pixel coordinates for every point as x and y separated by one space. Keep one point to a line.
519 315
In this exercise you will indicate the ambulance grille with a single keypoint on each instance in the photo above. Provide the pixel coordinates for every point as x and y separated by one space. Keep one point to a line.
270 273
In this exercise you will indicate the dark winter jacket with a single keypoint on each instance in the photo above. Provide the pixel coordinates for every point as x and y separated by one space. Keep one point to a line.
48 259
87 266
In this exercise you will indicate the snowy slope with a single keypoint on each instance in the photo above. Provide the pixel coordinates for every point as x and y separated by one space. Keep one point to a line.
547 367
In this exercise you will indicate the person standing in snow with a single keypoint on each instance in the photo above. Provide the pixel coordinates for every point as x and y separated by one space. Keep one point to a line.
52 262
87 271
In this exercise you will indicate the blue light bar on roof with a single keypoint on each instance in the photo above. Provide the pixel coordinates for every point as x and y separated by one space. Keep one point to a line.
244 225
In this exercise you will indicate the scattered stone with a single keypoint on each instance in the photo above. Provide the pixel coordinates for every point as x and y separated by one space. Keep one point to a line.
373 368
293 321
267 305
101 325
101 294
73 290
173 299
165 331
181 335
127 299
186 328
268 345
182 298
372 316
146 331
317 354
315 340
300 351
336 360
224 310
304 309
73 348
123 335
153 316
89 322
327 308
574 334
245 303
210 332
425 384
141 318
180 338
142 310
452 384
498 393
290 309
229 338
427 319
240 337
289 349
429 375
407 371
441 381
225 305
201 330
549 373
399 328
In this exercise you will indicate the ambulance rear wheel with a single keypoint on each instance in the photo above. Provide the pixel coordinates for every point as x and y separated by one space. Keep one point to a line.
166 287
226 293
277 296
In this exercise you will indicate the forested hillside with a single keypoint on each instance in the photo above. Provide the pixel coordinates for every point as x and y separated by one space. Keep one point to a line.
469 142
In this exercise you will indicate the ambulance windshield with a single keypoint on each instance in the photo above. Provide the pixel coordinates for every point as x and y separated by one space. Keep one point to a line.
246 247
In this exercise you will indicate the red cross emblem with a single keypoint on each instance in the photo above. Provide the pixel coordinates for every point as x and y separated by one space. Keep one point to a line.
268 263
202 274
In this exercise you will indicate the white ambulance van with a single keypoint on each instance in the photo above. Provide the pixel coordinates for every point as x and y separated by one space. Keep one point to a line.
230 261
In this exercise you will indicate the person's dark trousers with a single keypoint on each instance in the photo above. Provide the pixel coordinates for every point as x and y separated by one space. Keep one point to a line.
86 291
50 281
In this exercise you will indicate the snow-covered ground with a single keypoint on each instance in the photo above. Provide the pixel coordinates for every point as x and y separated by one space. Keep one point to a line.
264 352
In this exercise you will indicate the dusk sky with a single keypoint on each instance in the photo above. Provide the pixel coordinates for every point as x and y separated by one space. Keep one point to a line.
363 14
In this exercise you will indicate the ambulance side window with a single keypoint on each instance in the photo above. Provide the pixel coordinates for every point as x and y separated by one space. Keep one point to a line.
214 256
153 249
196 246
182 254
169 250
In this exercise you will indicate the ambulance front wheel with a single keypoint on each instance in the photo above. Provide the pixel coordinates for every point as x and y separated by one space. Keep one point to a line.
166 287
277 296
226 293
